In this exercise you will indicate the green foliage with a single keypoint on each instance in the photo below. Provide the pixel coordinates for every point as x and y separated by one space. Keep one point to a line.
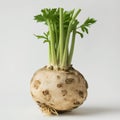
44 36
61 25
86 24
51 14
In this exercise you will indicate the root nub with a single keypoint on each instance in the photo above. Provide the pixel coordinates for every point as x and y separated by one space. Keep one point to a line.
47 109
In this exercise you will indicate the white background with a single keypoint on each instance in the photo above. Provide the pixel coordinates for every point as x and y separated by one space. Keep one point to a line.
97 56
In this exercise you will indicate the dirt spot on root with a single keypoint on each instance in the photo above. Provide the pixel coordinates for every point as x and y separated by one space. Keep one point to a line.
81 94
45 92
58 77
64 92
59 85
50 67
38 102
36 84
69 80
76 103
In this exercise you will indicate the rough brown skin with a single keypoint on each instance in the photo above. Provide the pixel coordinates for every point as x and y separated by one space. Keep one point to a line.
57 91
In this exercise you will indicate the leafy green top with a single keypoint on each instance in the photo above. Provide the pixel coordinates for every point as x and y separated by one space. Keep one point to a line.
61 25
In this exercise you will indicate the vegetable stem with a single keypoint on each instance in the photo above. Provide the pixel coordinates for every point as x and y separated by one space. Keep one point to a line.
65 55
61 36
50 59
72 47
52 44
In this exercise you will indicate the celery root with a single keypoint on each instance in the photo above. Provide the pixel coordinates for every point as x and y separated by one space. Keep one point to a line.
58 91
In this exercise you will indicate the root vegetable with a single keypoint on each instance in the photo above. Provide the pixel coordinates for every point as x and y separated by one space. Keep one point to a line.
58 87
58 91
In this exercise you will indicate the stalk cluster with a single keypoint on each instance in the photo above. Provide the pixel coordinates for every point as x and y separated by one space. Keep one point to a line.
62 29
